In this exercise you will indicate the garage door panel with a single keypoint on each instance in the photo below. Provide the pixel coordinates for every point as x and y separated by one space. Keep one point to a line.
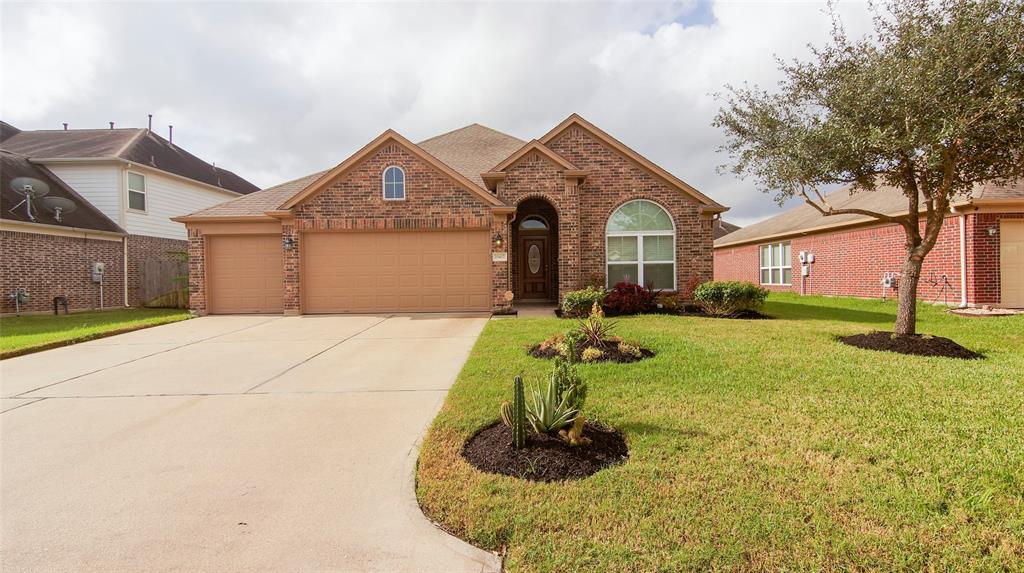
245 274
396 271
1011 263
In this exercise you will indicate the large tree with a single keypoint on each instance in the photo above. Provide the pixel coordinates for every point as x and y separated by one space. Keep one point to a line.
931 102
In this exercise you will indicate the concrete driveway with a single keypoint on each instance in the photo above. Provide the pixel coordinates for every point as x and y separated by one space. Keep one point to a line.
230 443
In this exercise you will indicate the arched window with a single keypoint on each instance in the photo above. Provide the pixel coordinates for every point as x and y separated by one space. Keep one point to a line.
394 183
641 246
533 223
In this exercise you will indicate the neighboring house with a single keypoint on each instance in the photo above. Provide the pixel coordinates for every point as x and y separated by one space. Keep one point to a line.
453 223
723 228
978 258
136 180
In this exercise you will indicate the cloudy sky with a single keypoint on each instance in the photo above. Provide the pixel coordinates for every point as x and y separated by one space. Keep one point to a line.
276 91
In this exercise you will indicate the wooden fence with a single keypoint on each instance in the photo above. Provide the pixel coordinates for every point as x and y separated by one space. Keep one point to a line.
164 284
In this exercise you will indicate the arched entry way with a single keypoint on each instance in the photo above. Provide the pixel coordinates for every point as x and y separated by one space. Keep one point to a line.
534 259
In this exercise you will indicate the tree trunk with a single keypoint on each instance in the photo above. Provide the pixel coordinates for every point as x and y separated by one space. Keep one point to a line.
906 311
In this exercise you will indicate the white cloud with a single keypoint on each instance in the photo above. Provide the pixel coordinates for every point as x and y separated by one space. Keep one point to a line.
49 57
275 91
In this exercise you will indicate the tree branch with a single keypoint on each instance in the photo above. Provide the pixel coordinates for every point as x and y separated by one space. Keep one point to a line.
833 211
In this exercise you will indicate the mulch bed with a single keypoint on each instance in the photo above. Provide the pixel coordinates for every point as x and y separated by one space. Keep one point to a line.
611 352
545 458
916 344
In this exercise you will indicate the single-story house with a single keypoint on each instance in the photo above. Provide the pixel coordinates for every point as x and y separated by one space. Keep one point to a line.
465 221
978 258
136 179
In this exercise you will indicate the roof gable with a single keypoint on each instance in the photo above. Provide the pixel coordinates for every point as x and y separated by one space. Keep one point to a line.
534 146
389 136
575 120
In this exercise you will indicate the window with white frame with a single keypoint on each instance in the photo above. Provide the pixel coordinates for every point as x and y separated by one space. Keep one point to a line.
136 191
640 246
775 264
394 183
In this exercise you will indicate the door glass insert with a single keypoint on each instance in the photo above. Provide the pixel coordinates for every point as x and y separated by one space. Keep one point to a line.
533 259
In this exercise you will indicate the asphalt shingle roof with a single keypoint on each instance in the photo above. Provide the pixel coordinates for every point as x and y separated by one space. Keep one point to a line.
472 150
886 200
136 145
85 215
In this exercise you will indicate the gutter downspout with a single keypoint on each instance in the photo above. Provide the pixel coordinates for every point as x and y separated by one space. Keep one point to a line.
124 270
963 261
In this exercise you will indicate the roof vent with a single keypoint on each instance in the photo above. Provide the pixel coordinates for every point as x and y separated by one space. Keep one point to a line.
111 125
170 134
150 127
65 126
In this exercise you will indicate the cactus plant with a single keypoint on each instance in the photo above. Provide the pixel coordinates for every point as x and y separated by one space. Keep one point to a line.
506 413
518 414
574 435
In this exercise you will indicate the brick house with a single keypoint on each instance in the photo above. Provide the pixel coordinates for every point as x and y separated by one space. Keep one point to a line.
453 223
136 180
978 258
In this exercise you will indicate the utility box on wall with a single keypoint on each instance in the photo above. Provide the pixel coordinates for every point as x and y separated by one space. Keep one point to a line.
98 269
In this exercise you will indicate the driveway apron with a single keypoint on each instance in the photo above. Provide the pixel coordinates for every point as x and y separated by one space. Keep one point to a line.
231 443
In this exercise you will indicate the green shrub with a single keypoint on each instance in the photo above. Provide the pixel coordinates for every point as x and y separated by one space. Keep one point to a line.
592 354
729 298
578 303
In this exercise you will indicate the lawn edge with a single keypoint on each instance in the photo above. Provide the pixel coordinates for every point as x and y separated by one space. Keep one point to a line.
86 338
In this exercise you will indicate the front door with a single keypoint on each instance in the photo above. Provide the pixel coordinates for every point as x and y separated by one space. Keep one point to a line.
533 267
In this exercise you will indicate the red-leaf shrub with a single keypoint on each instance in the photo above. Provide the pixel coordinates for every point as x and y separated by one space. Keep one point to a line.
629 298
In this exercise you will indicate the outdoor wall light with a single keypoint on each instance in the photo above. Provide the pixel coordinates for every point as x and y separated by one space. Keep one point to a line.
497 239
992 231
289 243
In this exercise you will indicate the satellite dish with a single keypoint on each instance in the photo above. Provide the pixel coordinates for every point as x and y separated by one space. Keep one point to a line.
30 188
59 206
26 186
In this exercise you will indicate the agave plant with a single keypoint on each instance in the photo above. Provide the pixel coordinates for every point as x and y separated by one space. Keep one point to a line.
551 409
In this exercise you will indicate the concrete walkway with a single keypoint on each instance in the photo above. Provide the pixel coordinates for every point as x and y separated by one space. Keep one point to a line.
234 443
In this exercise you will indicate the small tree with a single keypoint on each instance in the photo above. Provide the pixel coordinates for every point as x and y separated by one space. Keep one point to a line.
931 103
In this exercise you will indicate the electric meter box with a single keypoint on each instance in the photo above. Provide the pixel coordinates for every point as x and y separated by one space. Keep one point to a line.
98 269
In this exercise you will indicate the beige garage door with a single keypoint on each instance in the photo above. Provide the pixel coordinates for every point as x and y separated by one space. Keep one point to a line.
245 274
1011 263
410 271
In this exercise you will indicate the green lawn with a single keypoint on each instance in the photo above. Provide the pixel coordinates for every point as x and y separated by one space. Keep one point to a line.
758 445
19 334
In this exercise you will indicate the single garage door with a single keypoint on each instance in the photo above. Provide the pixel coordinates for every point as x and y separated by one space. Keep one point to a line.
1011 263
406 271
244 274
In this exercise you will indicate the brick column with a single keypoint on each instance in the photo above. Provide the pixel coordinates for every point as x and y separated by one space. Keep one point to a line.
197 271
499 269
569 256
292 298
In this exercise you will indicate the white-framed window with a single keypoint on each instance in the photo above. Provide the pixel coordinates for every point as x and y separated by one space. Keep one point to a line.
394 183
136 191
776 268
640 246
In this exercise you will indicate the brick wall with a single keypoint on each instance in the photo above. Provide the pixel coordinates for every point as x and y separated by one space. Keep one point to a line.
983 280
142 248
355 202
613 180
852 262
49 265
197 271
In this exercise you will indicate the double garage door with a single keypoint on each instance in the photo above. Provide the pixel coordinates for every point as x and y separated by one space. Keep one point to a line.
404 271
